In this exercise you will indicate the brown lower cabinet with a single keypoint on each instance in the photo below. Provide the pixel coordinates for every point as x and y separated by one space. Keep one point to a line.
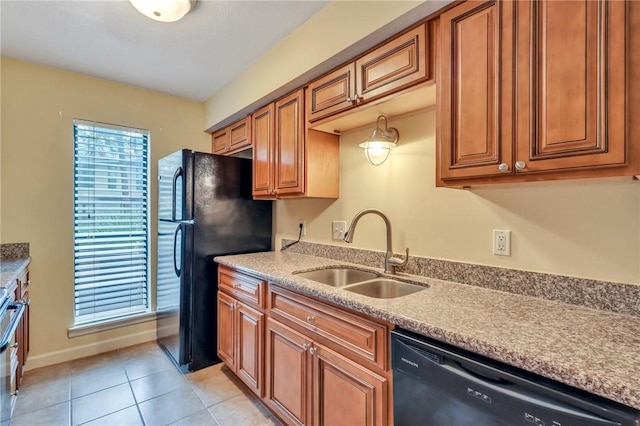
310 384
312 363
241 321
21 345
241 341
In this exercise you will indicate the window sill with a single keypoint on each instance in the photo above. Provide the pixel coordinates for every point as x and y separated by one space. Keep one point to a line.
97 327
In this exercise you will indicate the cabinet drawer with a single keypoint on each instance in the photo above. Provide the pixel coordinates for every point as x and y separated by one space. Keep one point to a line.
357 338
243 287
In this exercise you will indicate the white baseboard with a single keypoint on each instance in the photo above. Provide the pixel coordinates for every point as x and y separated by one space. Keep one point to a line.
96 348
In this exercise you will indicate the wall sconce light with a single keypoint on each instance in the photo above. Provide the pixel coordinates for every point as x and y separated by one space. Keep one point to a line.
380 143
164 10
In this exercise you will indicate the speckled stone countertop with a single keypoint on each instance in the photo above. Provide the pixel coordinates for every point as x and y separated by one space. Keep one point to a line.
10 269
593 350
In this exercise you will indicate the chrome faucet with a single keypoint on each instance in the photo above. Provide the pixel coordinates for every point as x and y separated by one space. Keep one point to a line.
390 262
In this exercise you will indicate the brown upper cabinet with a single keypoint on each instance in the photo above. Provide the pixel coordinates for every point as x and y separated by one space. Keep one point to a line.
233 138
533 90
289 160
393 66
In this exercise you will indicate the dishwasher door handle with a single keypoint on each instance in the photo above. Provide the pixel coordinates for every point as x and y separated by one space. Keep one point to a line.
515 392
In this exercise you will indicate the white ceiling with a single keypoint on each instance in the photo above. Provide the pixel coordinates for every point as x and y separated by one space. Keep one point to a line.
191 58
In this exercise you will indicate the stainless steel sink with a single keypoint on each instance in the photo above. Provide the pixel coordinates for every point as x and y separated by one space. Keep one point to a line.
384 288
338 276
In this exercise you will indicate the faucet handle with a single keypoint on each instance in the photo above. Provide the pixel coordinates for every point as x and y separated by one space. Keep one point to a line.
399 263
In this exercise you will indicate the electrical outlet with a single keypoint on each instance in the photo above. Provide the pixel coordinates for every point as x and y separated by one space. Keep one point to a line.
302 223
501 242
338 229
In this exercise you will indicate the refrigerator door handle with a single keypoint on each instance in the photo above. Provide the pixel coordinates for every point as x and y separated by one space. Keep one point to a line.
175 260
179 172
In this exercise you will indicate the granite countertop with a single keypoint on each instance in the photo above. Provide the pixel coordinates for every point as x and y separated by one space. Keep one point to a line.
593 350
10 269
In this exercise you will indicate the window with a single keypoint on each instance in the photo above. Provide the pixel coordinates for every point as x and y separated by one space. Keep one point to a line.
111 231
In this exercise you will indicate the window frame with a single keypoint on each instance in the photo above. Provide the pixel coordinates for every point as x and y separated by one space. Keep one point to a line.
88 323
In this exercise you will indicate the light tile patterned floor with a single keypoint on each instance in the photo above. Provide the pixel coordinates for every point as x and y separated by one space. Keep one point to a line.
137 386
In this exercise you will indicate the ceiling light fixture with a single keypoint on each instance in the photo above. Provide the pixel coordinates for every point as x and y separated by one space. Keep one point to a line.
163 10
380 143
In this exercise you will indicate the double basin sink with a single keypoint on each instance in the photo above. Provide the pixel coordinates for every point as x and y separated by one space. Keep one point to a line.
366 283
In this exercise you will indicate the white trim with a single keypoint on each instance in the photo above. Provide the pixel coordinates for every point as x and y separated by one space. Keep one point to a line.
97 327
90 349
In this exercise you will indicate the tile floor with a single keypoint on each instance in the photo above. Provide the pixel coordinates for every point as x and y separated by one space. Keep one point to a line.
135 386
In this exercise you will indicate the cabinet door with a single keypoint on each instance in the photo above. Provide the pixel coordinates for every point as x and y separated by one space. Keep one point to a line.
290 155
331 93
220 141
227 330
288 390
19 351
571 84
250 338
25 329
344 393
393 66
263 134
240 135
475 99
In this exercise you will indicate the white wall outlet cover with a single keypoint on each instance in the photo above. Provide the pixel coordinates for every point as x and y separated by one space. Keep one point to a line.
502 242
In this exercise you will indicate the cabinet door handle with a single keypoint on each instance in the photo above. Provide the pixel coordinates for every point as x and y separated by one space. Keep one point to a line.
520 165
310 319
312 350
305 347
233 306
503 167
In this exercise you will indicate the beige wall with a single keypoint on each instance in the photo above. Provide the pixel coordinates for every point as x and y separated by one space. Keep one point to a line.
38 106
334 28
586 228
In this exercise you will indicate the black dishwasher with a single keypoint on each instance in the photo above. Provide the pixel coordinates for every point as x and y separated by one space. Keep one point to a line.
435 384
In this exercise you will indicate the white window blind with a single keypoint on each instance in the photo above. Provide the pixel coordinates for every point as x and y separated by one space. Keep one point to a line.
111 235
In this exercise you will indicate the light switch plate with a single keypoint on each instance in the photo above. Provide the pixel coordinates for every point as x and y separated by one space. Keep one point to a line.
338 229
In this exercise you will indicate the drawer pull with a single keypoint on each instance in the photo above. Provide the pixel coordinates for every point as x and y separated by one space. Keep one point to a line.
310 319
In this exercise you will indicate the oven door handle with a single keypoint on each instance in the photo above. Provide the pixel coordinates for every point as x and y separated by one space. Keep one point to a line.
7 335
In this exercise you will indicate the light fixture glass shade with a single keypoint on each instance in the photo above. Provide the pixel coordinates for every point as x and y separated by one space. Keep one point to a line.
163 10
379 145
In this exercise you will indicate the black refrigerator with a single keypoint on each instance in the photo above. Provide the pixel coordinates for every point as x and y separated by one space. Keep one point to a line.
205 209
